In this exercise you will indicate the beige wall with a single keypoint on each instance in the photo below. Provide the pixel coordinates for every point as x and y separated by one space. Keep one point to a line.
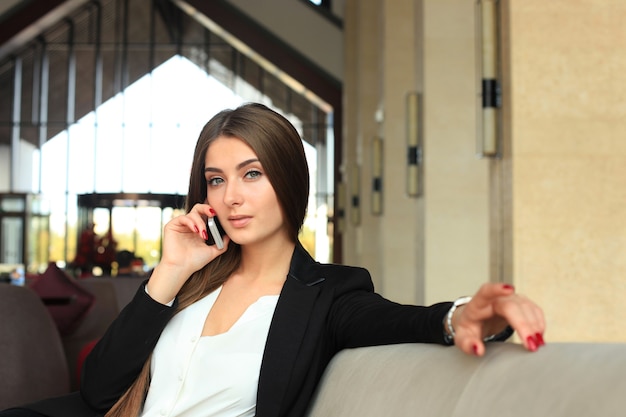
436 246
456 189
568 150
366 76
550 215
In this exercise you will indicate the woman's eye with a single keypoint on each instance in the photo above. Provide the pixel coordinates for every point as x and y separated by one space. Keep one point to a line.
214 181
253 174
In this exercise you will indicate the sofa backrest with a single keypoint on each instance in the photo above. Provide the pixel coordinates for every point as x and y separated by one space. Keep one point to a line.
561 379
32 361
110 296
93 326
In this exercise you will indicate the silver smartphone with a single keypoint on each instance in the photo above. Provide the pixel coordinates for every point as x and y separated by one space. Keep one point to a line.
214 228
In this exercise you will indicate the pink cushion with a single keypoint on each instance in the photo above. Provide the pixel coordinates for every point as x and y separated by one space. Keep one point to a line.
67 302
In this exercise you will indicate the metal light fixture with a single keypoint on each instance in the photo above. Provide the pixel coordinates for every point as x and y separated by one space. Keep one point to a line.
490 86
355 199
341 207
414 144
377 176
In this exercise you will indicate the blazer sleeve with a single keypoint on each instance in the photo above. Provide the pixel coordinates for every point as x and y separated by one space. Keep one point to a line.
117 359
361 317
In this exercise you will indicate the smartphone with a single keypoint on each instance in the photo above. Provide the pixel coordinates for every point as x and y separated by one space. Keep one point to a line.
216 233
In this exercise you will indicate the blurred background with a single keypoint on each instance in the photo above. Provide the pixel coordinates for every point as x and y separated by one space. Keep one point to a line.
451 142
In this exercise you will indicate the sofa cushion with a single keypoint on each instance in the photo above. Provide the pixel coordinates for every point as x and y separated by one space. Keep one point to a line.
67 302
561 379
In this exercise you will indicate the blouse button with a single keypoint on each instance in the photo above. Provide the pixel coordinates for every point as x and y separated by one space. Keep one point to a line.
193 339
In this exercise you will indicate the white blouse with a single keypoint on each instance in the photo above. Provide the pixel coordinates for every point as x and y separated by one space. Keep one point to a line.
208 376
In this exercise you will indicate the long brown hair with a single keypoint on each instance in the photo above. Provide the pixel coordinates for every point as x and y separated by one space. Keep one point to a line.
279 148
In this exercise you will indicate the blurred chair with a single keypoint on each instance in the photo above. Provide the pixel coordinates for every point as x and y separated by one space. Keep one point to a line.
110 296
33 365
92 327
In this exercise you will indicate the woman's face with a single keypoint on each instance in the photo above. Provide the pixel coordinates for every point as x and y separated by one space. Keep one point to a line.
241 194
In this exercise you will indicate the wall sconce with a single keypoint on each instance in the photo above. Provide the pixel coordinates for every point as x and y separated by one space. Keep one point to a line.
377 176
490 86
341 207
414 144
355 200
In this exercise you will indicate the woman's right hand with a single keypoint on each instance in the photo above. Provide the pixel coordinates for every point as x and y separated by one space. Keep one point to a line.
184 252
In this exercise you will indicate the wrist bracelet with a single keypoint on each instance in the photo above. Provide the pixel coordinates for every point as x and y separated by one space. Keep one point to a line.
449 336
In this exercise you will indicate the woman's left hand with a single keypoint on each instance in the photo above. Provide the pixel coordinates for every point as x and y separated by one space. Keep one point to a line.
490 310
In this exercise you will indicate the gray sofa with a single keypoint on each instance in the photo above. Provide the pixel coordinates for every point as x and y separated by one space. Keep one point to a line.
561 379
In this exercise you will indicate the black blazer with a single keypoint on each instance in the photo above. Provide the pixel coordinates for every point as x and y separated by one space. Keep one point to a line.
322 309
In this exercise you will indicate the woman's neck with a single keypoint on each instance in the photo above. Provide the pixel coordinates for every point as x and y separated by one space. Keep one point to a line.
268 262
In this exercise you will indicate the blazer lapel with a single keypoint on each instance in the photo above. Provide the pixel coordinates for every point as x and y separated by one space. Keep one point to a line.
288 327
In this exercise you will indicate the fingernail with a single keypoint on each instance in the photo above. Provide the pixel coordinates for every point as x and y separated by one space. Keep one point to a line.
508 287
212 211
475 349
539 338
532 343
196 229
204 235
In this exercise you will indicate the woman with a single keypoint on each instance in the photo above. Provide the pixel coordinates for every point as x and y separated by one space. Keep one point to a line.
249 329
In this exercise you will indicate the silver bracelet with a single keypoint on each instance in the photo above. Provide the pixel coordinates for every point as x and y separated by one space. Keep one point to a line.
449 336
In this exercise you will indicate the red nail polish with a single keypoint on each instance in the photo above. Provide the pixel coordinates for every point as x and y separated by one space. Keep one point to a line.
508 287
539 338
212 211
196 229
532 343
204 235
475 349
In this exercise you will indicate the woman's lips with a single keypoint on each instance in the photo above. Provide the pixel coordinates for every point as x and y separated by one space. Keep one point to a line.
239 221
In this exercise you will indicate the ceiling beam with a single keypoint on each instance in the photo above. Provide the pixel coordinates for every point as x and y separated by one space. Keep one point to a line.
30 20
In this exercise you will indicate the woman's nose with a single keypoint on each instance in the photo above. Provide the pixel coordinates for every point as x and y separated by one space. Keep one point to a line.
233 195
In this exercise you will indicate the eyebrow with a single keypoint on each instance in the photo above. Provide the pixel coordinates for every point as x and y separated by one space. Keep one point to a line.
239 166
